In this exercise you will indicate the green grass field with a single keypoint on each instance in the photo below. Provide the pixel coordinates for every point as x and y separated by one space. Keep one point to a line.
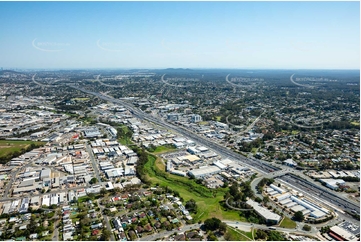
163 149
125 139
288 223
10 146
208 200
238 235
355 123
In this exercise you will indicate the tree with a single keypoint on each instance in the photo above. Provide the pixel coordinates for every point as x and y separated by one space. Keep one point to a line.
260 234
103 191
275 236
233 190
306 227
93 181
223 227
212 237
105 234
212 224
191 205
298 216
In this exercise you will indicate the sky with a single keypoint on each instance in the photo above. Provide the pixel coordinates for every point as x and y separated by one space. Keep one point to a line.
246 35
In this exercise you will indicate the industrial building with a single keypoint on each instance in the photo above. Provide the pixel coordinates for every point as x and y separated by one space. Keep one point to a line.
204 171
92 133
24 205
278 189
45 174
333 183
116 172
316 213
283 196
341 234
270 217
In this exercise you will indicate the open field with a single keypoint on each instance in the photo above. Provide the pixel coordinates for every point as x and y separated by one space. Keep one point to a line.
238 235
288 223
125 138
10 146
163 149
208 200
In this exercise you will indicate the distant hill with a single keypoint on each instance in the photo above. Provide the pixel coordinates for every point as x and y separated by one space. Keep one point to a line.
8 71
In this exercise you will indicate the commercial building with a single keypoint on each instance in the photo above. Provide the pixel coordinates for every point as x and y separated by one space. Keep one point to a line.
196 118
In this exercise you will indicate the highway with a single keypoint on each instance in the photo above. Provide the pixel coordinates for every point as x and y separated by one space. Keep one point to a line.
317 193
260 166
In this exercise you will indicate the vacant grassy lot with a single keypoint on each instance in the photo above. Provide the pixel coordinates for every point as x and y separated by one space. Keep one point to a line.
8 147
125 138
288 223
163 149
238 235
208 200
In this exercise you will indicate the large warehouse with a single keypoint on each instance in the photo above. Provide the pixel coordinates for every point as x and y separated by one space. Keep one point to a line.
204 171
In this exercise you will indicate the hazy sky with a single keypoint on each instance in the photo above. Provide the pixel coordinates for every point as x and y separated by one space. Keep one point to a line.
286 35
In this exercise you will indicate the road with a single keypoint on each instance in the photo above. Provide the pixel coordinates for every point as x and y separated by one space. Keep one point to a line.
40 84
56 231
13 175
109 227
318 193
249 126
169 233
235 224
248 226
301 85
94 164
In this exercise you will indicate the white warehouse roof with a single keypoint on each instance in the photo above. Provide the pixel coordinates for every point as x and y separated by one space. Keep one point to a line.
267 214
204 171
